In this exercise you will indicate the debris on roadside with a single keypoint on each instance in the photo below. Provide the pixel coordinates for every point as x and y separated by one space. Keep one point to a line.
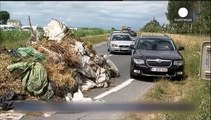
6 100
57 65
11 115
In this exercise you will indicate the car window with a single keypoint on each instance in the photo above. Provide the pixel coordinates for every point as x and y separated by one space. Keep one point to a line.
155 44
121 38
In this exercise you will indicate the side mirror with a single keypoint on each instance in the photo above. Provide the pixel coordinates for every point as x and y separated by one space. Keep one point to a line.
132 46
180 48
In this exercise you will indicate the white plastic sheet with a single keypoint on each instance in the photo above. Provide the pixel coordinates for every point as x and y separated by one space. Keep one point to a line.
55 30
79 47
78 97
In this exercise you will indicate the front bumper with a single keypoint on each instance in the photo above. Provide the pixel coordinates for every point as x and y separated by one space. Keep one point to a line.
145 70
120 49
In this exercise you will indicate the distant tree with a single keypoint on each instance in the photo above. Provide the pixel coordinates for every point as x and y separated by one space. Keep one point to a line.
152 26
4 16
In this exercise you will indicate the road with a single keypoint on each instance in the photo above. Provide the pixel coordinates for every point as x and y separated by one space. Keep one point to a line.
122 89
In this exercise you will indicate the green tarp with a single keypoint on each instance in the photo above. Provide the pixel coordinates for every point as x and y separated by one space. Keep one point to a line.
30 52
34 78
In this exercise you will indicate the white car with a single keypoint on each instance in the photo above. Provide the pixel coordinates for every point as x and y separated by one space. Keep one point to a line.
119 42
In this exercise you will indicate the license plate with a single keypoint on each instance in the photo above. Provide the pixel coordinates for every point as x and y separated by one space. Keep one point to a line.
159 69
123 48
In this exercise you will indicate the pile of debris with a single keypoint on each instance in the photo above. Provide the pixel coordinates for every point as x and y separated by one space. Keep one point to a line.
57 65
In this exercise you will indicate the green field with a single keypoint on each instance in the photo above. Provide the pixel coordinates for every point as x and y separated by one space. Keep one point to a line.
89 32
14 39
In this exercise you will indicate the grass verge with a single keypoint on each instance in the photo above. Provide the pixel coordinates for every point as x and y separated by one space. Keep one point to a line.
95 39
14 39
191 89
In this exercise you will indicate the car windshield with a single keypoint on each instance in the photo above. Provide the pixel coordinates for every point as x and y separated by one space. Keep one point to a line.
121 38
155 44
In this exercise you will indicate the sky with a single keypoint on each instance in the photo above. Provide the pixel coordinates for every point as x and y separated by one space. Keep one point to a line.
102 14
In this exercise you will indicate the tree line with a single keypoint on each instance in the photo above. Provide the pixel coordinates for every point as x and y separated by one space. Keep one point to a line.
200 11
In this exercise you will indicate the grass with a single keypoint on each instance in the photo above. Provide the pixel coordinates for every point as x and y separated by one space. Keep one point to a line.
95 39
191 89
13 39
89 32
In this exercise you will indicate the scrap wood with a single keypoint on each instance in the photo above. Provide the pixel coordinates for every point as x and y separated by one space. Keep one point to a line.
57 58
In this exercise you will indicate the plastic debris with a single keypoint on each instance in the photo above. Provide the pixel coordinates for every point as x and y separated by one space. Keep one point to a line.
78 97
30 52
34 78
79 48
89 84
87 71
55 30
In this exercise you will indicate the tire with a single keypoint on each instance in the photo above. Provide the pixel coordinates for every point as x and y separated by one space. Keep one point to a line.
179 77
111 52
131 73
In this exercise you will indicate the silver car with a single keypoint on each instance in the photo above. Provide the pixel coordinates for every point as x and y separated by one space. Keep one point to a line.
119 42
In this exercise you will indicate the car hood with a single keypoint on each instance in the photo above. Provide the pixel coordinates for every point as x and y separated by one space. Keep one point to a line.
122 42
168 55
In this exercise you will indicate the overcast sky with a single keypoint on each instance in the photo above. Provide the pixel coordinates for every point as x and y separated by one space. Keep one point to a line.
88 14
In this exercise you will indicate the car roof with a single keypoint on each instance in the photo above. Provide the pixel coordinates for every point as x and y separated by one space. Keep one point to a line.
120 33
116 31
156 36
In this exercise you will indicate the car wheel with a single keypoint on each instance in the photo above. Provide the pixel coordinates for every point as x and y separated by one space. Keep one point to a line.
111 52
131 73
179 77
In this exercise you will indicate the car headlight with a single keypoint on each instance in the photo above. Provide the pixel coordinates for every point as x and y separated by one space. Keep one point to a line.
114 45
138 61
178 63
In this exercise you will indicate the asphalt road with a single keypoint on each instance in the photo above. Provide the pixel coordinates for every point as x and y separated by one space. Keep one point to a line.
122 89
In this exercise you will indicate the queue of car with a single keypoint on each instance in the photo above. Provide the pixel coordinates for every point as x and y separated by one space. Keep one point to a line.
151 55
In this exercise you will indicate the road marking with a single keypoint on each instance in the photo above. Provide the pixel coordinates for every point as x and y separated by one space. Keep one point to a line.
110 55
122 85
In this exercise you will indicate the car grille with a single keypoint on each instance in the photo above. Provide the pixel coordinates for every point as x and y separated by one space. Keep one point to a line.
125 46
158 63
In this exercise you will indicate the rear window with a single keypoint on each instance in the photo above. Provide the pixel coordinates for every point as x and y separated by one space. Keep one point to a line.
155 44
121 38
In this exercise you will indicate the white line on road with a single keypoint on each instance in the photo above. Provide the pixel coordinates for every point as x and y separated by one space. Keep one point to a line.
122 85
110 55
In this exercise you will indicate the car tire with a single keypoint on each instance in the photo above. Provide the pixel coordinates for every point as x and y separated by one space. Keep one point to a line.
131 73
179 77
111 52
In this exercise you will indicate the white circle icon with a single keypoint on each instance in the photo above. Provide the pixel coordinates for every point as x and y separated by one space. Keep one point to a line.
183 12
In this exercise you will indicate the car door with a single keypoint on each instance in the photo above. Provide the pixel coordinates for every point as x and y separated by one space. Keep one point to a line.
136 42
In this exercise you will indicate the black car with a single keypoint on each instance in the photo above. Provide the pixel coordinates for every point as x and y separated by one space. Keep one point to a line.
156 56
